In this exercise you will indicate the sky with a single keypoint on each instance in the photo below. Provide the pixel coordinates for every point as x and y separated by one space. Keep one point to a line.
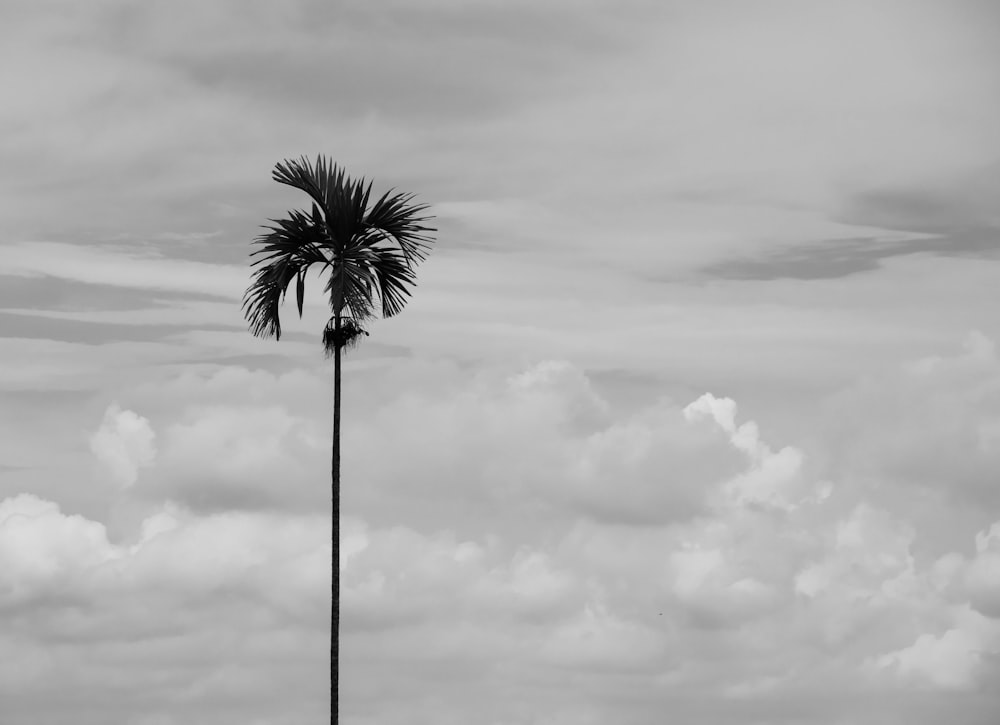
694 415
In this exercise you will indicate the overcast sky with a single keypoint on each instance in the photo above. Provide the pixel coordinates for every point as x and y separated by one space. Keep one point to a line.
694 415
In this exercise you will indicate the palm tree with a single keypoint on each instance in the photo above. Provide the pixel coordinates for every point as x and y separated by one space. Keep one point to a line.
370 251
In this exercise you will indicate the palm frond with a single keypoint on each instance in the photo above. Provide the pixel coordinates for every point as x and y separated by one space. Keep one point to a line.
316 181
289 248
297 235
342 200
263 298
350 287
395 278
394 216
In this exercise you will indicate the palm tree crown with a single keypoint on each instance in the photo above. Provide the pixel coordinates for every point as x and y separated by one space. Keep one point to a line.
370 249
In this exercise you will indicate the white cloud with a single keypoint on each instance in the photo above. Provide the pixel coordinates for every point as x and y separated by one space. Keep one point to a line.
770 475
192 597
125 268
125 442
948 661
923 430
952 660
221 452
975 578
543 441
596 638
42 552
547 533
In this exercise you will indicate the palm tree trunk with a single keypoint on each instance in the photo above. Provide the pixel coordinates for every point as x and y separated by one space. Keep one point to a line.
335 581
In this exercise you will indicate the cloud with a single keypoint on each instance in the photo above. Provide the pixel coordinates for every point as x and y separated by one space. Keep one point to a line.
927 426
982 577
398 577
722 107
544 441
827 260
148 613
124 443
952 217
955 660
129 268
549 537
541 435
596 638
44 551
236 457
961 210
771 474
843 257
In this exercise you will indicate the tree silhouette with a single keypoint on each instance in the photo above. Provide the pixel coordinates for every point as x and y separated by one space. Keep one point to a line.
370 251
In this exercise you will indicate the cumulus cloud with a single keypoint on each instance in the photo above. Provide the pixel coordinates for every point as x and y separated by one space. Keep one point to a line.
544 441
926 432
982 577
598 639
772 476
207 605
948 661
518 528
43 551
973 578
241 456
124 443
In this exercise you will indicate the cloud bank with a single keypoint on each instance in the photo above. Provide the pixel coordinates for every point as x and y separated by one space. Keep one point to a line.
562 558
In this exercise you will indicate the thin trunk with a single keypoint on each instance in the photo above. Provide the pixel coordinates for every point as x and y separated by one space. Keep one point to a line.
335 594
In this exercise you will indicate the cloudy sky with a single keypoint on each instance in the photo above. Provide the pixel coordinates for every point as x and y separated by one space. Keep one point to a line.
695 413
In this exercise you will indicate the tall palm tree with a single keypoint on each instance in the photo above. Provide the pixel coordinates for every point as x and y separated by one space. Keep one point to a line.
370 251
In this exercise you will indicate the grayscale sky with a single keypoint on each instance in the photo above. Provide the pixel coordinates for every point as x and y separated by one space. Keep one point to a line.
694 415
